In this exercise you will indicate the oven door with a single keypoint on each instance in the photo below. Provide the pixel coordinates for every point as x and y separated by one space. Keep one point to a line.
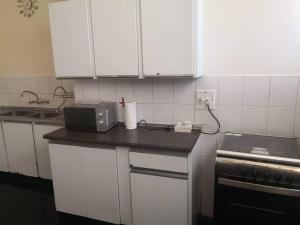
238 202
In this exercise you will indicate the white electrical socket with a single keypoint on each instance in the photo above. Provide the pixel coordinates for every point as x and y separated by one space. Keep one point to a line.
205 97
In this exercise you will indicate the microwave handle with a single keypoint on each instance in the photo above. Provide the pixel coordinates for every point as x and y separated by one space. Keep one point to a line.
259 187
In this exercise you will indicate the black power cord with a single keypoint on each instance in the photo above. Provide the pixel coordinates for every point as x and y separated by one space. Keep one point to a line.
143 123
216 119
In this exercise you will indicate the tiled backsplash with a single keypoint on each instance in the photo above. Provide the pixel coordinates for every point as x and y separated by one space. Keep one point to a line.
263 105
11 88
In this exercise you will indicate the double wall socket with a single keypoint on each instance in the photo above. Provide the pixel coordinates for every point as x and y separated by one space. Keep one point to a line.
205 97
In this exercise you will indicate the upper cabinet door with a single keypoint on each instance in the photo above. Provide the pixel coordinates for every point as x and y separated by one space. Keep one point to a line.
115 37
167 37
71 38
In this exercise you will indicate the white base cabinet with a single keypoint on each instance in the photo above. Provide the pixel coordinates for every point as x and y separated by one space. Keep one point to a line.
85 181
42 149
159 200
3 156
20 148
67 179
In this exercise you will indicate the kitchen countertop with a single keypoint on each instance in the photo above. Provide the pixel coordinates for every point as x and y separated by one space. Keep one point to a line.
142 137
26 119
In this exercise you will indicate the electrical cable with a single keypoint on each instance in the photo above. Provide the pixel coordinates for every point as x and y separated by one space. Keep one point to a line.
216 119
143 123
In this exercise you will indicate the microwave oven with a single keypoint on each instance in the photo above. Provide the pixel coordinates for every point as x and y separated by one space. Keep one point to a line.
91 117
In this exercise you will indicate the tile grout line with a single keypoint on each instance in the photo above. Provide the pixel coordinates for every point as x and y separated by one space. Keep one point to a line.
295 109
268 106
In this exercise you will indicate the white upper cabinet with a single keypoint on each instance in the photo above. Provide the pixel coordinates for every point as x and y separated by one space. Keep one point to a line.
127 38
115 37
167 34
71 38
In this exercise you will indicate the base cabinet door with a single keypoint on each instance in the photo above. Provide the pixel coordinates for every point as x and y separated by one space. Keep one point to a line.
99 169
42 149
158 200
67 179
3 157
20 148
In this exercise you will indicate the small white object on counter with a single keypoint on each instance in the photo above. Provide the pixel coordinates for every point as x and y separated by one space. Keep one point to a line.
184 127
130 115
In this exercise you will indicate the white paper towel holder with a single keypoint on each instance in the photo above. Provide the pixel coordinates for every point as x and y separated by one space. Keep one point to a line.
130 114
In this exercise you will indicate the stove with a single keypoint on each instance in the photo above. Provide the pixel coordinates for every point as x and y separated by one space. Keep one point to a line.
257 178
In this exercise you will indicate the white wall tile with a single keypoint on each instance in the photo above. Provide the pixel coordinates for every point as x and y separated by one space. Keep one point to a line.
184 113
163 91
204 117
28 83
13 85
230 91
297 123
90 91
164 113
120 112
78 90
208 169
14 99
283 91
54 83
4 100
4 85
298 95
256 91
184 91
145 111
68 85
209 83
44 85
255 120
107 90
281 121
230 118
143 91
125 88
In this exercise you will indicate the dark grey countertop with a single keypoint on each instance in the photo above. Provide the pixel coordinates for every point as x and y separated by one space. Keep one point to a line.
142 137
26 119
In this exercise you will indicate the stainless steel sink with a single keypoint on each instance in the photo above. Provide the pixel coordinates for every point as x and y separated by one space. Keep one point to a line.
45 115
17 113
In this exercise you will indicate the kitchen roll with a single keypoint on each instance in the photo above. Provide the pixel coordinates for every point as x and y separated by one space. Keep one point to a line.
130 115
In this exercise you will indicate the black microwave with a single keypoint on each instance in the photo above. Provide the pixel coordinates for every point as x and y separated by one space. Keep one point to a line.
91 117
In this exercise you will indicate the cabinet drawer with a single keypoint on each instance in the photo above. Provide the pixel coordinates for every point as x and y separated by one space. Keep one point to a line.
158 162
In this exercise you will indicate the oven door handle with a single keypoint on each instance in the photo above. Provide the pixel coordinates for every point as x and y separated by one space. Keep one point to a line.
259 187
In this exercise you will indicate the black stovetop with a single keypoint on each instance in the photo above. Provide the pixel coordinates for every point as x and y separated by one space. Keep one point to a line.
263 145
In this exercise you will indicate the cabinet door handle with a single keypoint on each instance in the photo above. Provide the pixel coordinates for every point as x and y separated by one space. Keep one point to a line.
159 173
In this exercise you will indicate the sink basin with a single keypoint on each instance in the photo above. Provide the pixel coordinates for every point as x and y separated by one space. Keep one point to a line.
17 113
46 115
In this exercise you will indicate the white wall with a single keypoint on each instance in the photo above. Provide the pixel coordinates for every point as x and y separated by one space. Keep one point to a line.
246 37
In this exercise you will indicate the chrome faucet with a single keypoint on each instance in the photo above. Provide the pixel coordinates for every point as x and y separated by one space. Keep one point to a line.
37 98
64 96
